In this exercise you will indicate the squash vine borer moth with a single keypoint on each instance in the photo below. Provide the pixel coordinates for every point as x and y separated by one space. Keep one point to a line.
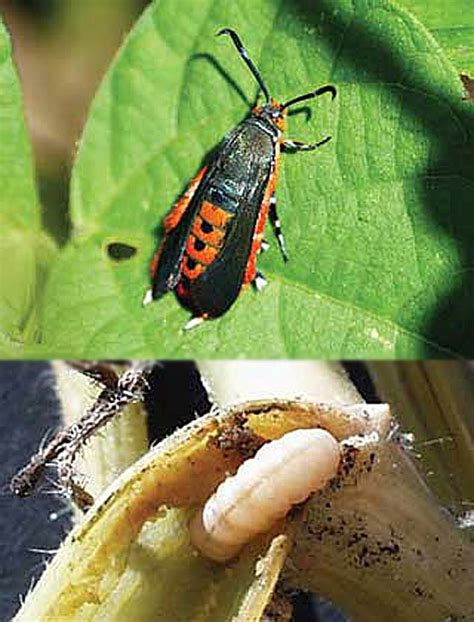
215 230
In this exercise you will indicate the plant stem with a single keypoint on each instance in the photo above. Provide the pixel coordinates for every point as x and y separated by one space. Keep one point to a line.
123 441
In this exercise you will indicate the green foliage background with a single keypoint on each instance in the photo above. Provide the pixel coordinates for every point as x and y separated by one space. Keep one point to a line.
379 222
25 250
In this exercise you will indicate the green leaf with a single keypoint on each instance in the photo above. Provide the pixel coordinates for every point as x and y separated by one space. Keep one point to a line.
378 222
24 249
452 23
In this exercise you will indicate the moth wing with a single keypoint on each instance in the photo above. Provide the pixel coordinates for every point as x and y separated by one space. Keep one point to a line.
217 288
166 265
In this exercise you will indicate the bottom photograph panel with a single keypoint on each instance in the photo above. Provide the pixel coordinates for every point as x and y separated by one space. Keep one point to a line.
237 490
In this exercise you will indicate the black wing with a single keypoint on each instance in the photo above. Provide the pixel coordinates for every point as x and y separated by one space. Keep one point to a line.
168 270
217 288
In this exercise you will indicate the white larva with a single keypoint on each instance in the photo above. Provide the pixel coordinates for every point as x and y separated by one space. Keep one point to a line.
282 473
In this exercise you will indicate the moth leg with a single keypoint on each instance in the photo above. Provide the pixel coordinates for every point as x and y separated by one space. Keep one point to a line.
194 322
273 216
296 145
258 241
148 297
259 282
264 246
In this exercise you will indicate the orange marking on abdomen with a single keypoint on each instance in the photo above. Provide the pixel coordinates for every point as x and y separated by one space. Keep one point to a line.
214 215
178 209
212 238
191 273
204 256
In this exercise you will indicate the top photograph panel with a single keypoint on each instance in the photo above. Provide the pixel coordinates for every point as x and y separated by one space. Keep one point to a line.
298 187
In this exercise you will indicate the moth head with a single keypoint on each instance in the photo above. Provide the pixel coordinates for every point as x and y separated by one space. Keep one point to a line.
272 111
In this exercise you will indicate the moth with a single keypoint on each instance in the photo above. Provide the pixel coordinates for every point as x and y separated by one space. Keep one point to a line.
215 230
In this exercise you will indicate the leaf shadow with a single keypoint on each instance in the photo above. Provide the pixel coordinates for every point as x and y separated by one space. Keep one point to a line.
446 185
223 73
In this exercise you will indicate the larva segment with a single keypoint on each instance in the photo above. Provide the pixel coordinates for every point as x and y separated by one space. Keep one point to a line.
264 489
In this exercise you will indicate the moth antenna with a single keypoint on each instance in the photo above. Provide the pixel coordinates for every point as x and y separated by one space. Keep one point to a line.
323 89
246 58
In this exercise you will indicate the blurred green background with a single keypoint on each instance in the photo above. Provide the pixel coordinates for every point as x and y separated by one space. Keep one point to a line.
62 49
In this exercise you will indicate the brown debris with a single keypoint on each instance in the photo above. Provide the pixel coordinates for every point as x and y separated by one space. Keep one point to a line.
468 84
279 609
234 436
